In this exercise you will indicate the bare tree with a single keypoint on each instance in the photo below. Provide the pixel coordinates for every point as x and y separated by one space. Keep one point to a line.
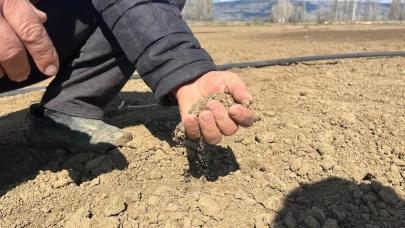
373 12
358 10
296 11
334 10
199 10
322 14
377 11
189 10
339 12
205 10
303 10
282 11
345 11
395 10
402 13
299 11
367 14
351 8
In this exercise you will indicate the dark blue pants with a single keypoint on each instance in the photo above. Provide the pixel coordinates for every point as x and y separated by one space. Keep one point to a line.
93 67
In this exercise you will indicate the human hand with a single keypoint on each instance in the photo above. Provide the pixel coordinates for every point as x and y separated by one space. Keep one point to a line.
217 120
20 29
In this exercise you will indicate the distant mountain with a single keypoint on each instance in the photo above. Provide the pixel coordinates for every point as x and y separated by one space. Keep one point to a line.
247 10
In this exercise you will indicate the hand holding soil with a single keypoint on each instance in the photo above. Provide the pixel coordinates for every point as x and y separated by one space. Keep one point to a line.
209 113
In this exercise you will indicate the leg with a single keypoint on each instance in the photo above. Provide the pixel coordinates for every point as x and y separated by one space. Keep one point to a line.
93 77
94 70
93 66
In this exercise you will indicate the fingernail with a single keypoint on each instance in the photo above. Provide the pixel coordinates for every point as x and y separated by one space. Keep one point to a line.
248 95
212 106
206 117
191 120
21 79
234 111
51 70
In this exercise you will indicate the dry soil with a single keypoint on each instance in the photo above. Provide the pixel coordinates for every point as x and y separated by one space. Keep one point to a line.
327 148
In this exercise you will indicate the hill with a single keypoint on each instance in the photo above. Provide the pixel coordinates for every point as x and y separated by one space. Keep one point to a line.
244 10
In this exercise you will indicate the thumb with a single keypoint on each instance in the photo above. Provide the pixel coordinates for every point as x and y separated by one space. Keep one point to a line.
185 106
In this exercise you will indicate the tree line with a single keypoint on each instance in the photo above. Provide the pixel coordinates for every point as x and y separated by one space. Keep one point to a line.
284 11
199 10
290 11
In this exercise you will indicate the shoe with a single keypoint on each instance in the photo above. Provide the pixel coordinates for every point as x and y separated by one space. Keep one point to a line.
54 130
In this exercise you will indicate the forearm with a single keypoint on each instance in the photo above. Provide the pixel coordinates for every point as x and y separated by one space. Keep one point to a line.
158 41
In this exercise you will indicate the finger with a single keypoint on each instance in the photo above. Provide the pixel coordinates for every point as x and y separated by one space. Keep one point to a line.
237 88
41 15
26 24
186 96
242 115
209 129
192 128
225 124
17 68
2 73
13 57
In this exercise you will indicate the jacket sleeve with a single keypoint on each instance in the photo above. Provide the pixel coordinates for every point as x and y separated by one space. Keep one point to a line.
160 44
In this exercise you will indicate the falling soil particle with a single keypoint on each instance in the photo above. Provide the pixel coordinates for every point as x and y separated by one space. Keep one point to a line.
203 156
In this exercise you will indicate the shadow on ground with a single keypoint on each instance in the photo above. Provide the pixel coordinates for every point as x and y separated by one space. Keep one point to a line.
336 202
19 163
214 162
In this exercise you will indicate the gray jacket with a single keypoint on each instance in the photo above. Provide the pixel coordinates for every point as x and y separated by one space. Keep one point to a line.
157 40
